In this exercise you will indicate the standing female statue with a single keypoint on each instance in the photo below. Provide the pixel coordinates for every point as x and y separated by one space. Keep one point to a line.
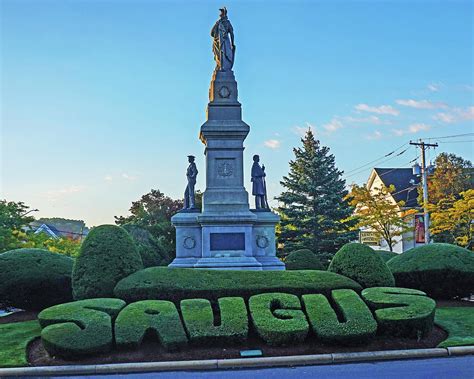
223 46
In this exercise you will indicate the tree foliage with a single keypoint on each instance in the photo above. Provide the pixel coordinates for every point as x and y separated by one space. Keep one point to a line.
13 219
378 212
454 218
312 208
153 212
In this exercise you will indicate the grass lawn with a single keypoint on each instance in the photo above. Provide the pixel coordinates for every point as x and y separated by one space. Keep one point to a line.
14 339
459 323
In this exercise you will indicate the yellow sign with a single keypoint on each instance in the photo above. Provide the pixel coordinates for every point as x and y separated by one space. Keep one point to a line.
370 238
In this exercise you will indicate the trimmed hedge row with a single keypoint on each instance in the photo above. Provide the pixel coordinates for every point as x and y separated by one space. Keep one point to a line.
199 320
401 311
386 255
79 328
278 318
362 264
178 284
107 255
303 259
439 269
358 324
34 279
157 318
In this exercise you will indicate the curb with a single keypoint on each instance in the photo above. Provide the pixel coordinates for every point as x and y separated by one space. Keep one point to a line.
214 364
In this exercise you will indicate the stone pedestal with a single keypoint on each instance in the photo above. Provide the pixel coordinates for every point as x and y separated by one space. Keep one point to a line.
227 234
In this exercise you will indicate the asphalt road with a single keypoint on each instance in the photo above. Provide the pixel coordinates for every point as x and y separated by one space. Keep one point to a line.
452 368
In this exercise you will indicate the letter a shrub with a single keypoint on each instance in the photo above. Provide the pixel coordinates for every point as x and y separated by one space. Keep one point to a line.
357 325
401 311
156 318
199 321
278 318
79 328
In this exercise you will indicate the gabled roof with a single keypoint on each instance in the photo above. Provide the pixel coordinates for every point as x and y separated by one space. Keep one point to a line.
400 178
49 229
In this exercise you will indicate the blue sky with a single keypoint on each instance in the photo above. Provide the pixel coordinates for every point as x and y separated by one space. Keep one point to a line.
102 100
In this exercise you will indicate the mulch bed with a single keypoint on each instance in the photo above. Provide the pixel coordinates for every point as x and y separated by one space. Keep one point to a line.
151 351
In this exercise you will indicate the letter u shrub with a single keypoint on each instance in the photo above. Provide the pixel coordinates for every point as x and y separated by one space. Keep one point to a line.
278 318
79 328
401 311
156 318
201 327
357 324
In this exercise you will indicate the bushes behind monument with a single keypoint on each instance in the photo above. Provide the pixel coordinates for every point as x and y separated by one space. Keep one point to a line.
107 255
34 279
362 264
441 270
177 284
304 259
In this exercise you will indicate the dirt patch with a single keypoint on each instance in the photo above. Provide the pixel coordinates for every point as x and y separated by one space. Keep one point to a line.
454 303
19 316
153 352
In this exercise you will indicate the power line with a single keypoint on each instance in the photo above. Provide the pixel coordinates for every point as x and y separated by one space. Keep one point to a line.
464 141
453 136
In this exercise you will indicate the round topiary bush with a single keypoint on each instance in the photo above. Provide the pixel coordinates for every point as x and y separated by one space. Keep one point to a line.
441 270
362 264
34 279
108 254
151 252
386 255
303 259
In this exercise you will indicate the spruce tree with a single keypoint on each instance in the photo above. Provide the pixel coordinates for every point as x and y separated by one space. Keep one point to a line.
312 208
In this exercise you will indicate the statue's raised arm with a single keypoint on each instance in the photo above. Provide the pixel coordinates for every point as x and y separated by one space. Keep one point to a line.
223 43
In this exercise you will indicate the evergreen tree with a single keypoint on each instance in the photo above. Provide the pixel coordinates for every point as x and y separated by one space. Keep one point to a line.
313 210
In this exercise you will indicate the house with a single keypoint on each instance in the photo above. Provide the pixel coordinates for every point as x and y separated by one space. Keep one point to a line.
406 184
50 230
60 228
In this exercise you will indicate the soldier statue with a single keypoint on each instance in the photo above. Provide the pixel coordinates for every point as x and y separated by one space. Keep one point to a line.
223 46
191 174
259 189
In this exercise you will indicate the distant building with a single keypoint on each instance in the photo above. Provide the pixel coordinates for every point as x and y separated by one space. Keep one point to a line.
406 184
50 230
60 228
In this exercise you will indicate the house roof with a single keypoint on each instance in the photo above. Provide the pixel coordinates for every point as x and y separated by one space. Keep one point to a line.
50 229
400 178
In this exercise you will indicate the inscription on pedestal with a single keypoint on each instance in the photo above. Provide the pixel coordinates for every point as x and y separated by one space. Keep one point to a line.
227 241
225 167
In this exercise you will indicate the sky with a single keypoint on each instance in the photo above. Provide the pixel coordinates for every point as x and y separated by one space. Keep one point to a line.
101 101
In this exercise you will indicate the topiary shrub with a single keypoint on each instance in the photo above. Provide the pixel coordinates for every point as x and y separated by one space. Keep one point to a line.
176 284
362 264
401 311
156 318
107 255
200 321
358 324
149 248
303 259
34 279
441 270
278 318
386 255
79 328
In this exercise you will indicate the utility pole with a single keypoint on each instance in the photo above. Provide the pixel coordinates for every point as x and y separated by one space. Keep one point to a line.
424 178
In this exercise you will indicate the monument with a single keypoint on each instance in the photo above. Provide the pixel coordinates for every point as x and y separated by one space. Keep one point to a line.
226 233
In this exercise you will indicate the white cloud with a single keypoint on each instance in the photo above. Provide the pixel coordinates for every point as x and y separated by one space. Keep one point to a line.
333 125
375 120
455 115
56 194
382 109
421 104
128 177
412 129
375 135
108 178
434 87
272 144
301 130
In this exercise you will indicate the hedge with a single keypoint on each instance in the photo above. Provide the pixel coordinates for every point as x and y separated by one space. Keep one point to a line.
34 279
158 319
401 311
176 284
79 328
362 264
278 318
357 324
107 255
200 323
386 255
149 248
303 259
441 270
